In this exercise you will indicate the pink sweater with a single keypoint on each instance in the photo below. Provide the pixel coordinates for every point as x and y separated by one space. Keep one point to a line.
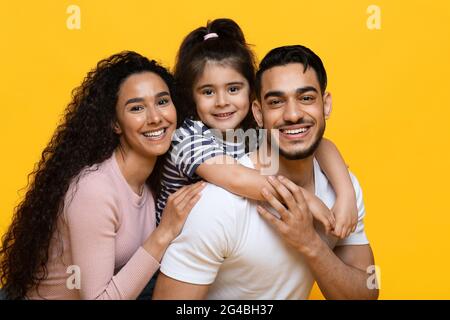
101 232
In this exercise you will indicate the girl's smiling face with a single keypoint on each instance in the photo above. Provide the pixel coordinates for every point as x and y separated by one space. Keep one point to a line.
221 95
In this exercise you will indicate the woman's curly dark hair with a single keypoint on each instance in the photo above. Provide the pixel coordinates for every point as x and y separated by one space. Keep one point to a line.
85 137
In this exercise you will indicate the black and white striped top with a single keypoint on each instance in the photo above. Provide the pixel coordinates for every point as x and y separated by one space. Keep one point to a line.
192 144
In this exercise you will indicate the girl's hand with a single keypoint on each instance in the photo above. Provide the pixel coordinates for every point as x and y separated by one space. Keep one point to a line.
319 210
346 213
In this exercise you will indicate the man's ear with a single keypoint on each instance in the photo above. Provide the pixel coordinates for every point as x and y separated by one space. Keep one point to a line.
257 112
327 105
116 127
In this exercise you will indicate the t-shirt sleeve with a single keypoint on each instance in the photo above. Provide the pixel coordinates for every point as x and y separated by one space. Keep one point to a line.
196 255
358 237
192 145
93 220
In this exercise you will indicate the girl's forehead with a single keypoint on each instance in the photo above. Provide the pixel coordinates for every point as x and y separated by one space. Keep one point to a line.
219 72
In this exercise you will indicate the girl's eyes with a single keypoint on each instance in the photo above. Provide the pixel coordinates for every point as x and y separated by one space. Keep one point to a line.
207 92
210 92
233 89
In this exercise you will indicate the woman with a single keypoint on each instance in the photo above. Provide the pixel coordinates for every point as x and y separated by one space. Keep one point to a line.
86 227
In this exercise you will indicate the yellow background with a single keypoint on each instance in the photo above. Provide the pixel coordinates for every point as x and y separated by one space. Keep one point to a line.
390 90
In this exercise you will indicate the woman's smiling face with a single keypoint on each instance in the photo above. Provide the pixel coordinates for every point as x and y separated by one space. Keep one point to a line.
146 115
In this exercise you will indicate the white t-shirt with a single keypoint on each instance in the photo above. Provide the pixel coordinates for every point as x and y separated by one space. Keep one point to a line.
227 244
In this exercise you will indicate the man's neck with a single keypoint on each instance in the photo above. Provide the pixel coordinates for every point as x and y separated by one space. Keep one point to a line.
301 171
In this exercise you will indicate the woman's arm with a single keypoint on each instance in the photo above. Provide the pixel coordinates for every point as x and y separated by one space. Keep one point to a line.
336 170
92 220
178 206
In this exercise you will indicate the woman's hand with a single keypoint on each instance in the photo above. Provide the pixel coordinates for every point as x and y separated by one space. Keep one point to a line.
179 205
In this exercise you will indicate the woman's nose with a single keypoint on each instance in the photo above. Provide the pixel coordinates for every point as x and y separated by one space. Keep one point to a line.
153 115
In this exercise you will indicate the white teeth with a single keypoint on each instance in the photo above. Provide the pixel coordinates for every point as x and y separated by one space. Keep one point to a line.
154 133
296 131
221 115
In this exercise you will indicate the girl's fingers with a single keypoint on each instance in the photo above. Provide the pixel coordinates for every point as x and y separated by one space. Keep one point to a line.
322 218
338 230
270 218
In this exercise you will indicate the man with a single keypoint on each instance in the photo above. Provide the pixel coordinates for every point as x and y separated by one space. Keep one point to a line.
228 251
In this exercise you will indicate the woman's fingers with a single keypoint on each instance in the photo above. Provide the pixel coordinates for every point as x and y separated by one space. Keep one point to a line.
191 203
191 192
178 197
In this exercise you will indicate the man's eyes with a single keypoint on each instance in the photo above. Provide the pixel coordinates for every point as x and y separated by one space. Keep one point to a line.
308 99
275 102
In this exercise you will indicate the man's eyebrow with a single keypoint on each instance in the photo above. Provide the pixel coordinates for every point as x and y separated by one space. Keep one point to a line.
306 89
301 90
273 94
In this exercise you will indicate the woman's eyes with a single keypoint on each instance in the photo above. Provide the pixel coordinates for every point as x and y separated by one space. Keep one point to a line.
163 102
136 108
160 103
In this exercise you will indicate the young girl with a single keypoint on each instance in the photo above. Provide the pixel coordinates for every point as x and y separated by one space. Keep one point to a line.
214 73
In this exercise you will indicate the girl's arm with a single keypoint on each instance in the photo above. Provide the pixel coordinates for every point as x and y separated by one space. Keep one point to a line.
345 208
227 173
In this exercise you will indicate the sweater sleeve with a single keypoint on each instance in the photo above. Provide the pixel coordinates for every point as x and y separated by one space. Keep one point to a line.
93 219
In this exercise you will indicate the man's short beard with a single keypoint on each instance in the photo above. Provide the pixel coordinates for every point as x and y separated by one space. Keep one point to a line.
303 154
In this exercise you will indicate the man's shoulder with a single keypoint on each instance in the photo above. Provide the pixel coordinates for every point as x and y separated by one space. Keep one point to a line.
321 179
218 198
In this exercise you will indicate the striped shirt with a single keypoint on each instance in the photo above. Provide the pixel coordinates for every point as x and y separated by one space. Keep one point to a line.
192 144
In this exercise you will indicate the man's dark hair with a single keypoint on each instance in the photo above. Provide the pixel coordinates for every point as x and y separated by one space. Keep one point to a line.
291 54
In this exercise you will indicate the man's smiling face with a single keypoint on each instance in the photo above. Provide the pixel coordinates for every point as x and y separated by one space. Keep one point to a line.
291 102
